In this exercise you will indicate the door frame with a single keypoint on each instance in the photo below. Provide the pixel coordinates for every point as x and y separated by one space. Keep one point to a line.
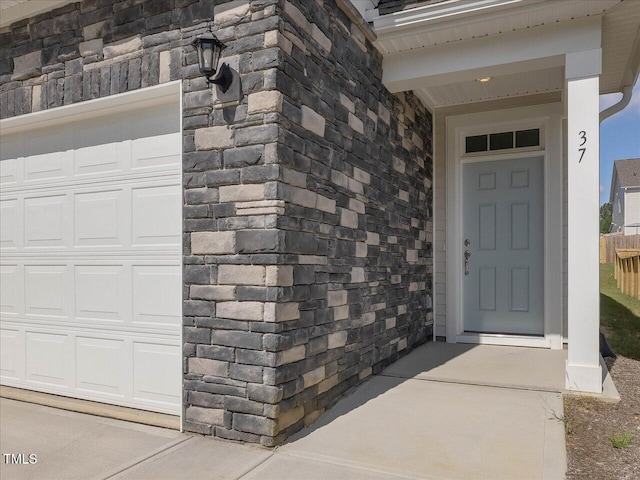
548 118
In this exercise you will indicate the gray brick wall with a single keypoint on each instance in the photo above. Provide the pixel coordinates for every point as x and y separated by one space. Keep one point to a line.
307 202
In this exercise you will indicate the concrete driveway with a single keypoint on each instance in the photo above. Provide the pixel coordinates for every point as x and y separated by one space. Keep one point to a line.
394 426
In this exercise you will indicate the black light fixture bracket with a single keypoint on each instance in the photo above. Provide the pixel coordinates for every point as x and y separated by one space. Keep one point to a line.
222 78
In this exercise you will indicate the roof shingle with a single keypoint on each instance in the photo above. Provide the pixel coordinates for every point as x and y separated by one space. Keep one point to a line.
628 172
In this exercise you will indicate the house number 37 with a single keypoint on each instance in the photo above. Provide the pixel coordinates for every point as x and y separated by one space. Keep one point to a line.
583 142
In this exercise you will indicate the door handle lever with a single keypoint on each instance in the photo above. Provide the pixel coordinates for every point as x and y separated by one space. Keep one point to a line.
467 254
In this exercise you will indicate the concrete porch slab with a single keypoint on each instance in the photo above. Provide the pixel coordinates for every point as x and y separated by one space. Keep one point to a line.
494 365
436 430
490 365
199 458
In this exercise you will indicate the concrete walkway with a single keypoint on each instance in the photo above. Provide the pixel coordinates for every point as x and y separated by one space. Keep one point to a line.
405 423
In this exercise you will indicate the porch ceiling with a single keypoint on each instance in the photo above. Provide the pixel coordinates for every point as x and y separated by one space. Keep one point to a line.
447 27
501 86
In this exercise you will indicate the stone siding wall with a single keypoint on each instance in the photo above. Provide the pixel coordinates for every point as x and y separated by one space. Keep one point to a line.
307 193
95 48
357 168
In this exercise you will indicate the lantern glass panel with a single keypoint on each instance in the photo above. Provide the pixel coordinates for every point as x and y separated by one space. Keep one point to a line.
207 56
199 51
215 56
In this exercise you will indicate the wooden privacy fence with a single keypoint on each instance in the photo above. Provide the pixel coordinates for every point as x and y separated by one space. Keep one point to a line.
609 244
626 271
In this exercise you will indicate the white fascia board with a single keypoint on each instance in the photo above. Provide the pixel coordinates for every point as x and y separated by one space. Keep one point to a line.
410 70
28 9
614 176
441 12
122 102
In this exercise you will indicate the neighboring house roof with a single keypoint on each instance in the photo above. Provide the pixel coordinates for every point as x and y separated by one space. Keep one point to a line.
391 6
627 172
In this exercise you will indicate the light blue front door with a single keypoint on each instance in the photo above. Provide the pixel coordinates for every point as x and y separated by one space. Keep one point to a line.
503 244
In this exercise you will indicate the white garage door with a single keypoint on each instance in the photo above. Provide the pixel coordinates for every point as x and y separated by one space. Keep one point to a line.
91 222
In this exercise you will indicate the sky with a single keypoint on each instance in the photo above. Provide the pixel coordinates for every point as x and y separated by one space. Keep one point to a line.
619 137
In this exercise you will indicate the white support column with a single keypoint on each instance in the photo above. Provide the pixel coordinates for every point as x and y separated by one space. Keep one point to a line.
583 372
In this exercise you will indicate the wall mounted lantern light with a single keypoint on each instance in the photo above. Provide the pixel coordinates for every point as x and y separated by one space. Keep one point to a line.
209 49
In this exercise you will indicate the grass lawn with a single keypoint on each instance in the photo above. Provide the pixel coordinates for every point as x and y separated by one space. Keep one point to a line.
619 316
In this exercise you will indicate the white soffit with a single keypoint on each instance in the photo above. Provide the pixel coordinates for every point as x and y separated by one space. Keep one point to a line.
14 10
4 4
620 46
445 24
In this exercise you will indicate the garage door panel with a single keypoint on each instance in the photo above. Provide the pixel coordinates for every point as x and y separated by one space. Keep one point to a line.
9 224
156 139
100 218
132 370
154 153
47 155
155 122
111 147
157 215
46 290
11 354
101 293
101 146
46 221
155 365
101 365
10 160
49 359
10 289
91 278
157 293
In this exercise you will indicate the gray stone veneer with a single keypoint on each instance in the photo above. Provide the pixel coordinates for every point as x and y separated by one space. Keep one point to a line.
307 215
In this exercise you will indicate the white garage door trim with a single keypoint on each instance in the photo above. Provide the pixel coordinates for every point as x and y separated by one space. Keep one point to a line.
92 250
122 102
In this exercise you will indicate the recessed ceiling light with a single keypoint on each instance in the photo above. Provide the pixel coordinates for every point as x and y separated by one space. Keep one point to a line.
483 79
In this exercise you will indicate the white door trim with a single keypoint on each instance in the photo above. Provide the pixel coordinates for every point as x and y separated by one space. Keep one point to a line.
549 119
